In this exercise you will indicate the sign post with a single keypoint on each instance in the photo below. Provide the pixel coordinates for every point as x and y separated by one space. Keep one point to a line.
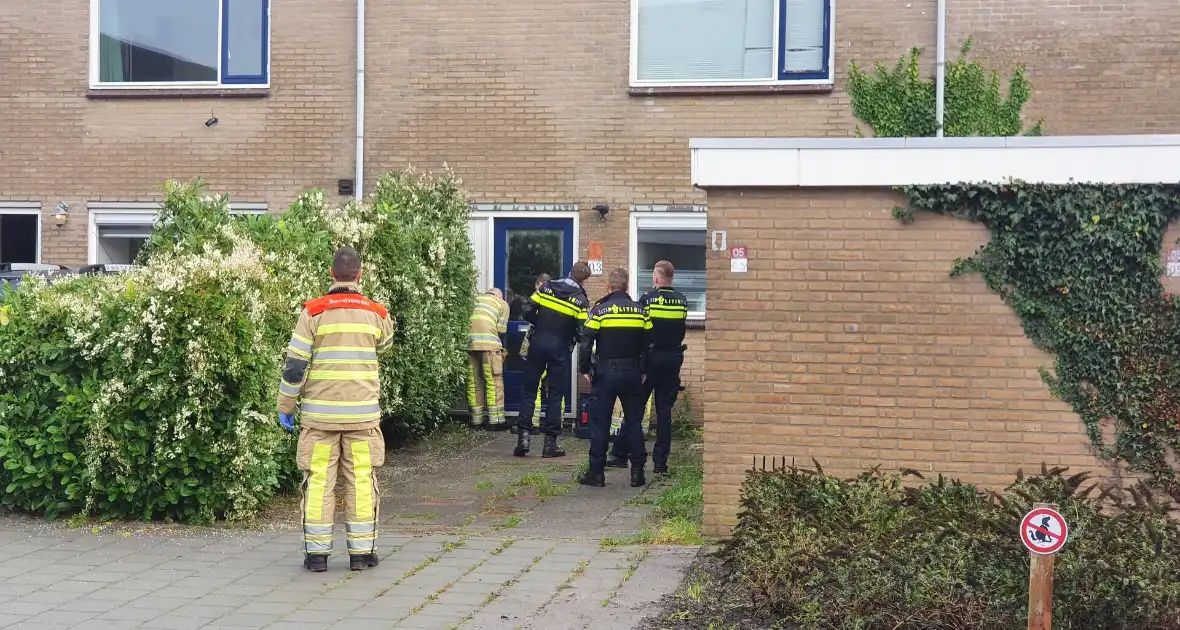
1043 531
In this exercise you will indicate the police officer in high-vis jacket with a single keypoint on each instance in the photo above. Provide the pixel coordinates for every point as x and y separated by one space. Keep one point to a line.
616 333
555 311
331 377
668 310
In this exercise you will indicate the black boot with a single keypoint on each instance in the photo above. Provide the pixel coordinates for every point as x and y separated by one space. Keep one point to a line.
637 478
595 479
660 469
617 462
551 448
522 443
360 563
316 563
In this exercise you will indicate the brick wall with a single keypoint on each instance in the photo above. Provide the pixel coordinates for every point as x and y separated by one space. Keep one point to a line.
847 341
526 99
57 144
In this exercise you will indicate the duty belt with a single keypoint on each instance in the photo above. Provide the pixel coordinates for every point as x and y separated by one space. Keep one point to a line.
627 362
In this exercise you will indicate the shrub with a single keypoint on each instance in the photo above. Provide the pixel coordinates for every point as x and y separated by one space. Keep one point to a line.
869 553
152 394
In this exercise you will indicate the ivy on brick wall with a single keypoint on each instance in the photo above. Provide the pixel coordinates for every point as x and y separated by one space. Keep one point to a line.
898 102
1080 265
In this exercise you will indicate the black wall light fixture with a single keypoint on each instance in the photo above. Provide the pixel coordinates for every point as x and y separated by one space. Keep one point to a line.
602 210
212 119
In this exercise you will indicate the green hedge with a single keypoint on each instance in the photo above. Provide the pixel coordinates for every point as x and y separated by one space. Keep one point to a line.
870 553
151 394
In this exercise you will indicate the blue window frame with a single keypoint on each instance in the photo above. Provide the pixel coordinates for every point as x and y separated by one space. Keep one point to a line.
179 43
245 31
730 42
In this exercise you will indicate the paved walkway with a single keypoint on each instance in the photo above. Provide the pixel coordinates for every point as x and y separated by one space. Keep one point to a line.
467 543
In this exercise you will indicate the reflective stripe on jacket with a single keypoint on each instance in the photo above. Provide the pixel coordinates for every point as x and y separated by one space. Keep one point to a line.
331 368
489 320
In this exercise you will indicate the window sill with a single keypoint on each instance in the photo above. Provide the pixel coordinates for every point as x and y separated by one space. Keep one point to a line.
176 93
694 324
707 90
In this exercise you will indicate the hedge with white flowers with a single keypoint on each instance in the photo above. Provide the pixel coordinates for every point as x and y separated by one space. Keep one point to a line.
151 394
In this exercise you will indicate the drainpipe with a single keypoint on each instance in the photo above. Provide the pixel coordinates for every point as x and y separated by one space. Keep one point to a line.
360 100
940 67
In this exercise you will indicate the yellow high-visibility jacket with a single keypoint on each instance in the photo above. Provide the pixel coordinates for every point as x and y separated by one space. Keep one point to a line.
331 369
489 320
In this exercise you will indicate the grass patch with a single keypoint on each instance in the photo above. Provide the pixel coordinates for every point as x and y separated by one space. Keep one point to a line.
509 522
484 486
542 485
679 507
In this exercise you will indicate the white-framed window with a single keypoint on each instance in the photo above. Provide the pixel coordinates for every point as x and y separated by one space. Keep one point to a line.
179 43
680 238
20 232
731 42
240 209
118 230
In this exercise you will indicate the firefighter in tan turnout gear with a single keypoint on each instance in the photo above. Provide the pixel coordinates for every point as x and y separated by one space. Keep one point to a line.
331 376
485 359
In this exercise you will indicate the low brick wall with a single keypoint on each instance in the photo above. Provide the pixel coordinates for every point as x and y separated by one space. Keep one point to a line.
847 341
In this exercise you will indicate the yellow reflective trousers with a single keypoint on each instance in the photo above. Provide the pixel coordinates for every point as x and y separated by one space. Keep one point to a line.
485 386
323 456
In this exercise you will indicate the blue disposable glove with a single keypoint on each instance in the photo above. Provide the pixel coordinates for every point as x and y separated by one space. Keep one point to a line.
287 420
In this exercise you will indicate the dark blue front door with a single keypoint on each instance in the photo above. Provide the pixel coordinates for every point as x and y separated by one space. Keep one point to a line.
523 250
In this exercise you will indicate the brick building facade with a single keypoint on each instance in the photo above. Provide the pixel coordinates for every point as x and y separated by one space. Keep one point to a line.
536 105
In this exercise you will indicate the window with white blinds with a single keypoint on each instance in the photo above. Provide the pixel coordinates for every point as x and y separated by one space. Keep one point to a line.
686 42
479 237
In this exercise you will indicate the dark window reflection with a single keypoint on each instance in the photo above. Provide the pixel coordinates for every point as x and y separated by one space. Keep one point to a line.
152 41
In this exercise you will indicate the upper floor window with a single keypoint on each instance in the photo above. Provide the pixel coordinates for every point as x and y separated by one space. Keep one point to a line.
179 43
730 42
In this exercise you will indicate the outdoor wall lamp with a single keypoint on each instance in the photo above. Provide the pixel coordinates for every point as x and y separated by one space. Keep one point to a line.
212 119
61 214
602 210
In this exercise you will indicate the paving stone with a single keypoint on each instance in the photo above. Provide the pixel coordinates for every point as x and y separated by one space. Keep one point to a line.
89 604
109 624
126 613
326 617
269 608
178 622
28 608
67 617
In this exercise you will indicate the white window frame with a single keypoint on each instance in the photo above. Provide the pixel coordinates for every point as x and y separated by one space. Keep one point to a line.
95 84
26 208
664 221
829 79
243 208
140 213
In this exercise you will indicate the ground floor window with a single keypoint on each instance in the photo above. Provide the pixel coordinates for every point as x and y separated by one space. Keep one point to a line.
119 231
679 238
20 234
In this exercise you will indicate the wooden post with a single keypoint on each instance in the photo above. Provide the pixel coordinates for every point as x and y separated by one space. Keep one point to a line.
1040 587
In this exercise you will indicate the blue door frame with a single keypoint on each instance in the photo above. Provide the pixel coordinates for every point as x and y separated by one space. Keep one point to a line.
513 373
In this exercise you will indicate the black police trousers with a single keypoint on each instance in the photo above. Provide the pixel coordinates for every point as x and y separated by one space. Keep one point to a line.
616 379
546 353
663 379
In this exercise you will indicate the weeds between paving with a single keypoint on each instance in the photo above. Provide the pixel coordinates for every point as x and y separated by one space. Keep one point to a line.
678 506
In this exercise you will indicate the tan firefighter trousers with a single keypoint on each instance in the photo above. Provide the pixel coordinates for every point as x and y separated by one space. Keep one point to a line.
354 455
